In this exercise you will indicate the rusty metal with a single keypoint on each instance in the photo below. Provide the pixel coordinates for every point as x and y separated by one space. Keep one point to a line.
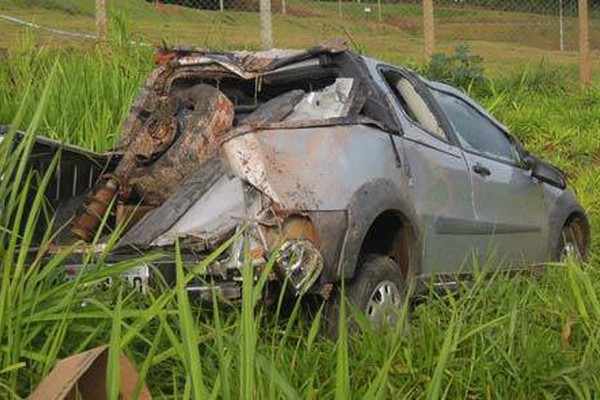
161 133
298 227
210 117
164 57
86 225
338 45
129 215
326 290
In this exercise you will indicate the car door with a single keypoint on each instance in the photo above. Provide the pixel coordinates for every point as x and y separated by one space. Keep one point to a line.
508 202
438 177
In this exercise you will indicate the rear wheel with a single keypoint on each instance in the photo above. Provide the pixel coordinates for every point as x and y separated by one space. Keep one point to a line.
377 290
573 241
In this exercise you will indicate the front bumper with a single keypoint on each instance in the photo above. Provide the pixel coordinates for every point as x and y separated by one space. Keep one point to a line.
297 263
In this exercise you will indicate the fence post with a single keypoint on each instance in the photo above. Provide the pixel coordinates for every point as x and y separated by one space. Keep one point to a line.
561 25
584 43
266 25
101 19
428 29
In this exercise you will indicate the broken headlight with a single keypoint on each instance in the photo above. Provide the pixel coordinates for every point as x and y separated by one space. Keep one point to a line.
300 263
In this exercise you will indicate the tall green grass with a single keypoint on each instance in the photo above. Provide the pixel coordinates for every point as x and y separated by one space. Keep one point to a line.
91 93
519 337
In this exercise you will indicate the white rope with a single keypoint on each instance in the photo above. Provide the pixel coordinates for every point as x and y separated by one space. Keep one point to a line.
51 30
85 36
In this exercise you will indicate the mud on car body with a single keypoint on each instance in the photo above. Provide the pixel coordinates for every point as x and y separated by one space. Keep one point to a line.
348 168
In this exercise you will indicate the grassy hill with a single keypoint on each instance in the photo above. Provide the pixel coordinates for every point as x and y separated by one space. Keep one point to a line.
502 38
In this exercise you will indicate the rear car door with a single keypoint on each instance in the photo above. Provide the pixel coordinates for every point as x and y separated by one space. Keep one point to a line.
508 202
438 176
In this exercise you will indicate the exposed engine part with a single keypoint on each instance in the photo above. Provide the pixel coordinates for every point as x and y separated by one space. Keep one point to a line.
300 263
159 160
96 206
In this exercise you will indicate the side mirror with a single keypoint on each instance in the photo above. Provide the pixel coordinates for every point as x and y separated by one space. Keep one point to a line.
546 172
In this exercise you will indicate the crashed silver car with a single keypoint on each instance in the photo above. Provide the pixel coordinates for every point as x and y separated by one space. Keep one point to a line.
345 167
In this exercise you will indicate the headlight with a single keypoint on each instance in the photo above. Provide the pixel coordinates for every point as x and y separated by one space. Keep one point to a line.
301 263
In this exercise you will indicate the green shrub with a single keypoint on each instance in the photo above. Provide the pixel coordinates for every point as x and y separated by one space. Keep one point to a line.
461 68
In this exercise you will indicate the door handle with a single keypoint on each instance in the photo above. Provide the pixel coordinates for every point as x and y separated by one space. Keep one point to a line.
481 170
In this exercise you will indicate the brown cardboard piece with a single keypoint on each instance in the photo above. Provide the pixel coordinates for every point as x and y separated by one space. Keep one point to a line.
83 376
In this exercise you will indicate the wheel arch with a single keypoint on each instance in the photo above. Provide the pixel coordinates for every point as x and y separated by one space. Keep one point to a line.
565 209
578 214
379 209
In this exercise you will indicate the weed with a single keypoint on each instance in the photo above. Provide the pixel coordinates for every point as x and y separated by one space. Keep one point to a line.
461 68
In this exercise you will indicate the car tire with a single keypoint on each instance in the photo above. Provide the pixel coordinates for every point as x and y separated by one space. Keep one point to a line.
572 244
377 290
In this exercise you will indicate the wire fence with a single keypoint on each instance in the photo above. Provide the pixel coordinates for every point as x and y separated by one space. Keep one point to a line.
395 30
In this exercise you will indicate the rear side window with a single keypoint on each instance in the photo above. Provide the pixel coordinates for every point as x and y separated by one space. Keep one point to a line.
475 132
413 104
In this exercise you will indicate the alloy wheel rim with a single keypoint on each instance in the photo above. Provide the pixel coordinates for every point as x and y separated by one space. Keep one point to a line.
570 250
383 303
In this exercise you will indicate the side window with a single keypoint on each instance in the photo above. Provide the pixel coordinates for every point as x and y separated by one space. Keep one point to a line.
474 131
412 103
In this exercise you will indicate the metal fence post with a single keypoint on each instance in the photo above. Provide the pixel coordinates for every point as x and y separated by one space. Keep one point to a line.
584 43
428 29
561 23
101 19
266 24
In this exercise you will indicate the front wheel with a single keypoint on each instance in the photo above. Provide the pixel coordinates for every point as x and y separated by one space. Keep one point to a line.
573 241
377 290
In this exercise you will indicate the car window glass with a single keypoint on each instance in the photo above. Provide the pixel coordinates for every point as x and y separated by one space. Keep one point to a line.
475 132
413 104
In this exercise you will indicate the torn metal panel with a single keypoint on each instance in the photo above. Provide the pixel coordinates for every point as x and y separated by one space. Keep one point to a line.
246 159
274 110
212 216
334 101
161 219
312 169
245 63
144 105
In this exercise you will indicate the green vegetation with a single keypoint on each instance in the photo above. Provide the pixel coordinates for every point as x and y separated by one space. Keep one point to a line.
91 93
461 68
501 37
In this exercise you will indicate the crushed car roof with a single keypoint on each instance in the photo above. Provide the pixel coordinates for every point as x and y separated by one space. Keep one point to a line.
245 62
